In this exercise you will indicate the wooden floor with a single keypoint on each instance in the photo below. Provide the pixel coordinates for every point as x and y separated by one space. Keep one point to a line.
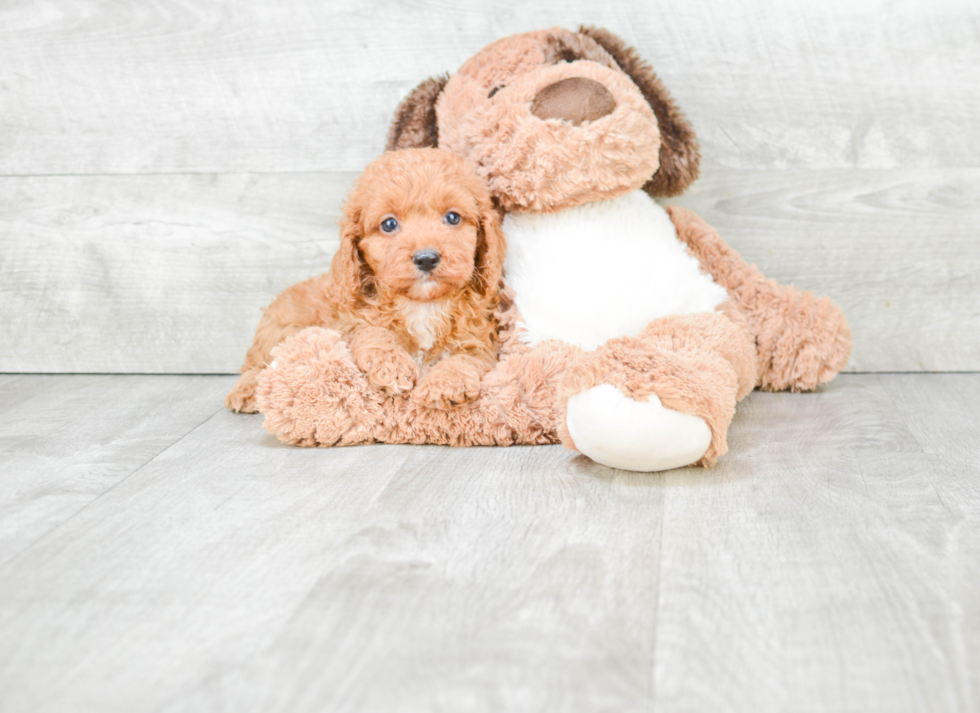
158 553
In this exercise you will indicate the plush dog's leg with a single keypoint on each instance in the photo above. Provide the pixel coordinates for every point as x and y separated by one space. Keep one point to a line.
660 400
313 394
802 341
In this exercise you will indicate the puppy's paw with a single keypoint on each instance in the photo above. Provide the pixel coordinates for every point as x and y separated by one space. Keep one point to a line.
389 370
450 383
241 398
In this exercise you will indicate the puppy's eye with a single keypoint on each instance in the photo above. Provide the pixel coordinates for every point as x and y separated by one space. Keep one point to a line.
494 91
389 225
452 217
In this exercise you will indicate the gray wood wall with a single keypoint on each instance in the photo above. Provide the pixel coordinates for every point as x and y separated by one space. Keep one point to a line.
166 168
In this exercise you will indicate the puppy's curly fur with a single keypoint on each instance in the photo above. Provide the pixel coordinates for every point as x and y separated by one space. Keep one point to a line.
406 327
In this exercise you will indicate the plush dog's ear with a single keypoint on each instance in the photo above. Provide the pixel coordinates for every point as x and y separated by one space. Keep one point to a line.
349 273
490 249
414 125
679 157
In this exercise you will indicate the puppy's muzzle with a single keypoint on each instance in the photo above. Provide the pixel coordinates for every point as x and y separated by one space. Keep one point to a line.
426 259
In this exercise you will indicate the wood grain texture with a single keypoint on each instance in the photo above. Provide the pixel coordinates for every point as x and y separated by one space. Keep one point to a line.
897 250
828 541
209 145
830 562
67 440
105 86
155 274
167 274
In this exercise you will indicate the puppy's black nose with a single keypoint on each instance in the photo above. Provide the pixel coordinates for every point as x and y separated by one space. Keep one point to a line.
426 259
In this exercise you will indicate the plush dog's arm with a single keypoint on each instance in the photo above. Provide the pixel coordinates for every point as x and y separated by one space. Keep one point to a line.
383 360
303 305
801 340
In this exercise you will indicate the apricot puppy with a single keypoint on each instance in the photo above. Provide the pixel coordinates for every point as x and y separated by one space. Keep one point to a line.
413 288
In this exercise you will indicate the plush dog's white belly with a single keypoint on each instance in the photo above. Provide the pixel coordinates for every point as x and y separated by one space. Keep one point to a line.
602 270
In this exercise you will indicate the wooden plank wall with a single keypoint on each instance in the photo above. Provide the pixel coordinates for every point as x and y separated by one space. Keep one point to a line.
167 167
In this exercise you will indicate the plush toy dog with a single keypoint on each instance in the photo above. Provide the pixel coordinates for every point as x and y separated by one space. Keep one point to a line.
634 329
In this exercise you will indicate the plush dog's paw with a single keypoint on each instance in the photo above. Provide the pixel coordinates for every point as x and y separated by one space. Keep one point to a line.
313 394
616 431
450 383
390 370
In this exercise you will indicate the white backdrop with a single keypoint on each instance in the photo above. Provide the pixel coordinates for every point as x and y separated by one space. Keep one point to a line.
166 168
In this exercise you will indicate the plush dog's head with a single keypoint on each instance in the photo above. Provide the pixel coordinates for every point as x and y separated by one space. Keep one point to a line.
421 224
555 118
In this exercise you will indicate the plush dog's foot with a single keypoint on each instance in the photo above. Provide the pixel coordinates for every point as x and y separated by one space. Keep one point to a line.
805 343
314 395
450 383
614 430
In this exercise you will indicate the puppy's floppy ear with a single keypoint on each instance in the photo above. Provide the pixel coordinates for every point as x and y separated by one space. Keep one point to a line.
679 157
414 125
490 249
349 273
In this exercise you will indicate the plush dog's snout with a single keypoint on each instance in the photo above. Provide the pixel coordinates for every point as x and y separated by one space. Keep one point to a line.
426 259
575 99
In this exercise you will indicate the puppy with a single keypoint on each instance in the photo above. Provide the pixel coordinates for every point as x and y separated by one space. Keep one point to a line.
413 288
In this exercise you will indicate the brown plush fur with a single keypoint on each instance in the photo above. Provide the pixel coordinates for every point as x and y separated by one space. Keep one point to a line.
697 364
316 395
679 157
435 331
802 341
513 111
486 113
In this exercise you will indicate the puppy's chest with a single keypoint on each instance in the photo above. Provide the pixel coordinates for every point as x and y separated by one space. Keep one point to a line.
602 270
426 323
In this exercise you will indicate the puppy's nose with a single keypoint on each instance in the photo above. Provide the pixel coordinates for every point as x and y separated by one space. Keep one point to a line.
426 259
575 99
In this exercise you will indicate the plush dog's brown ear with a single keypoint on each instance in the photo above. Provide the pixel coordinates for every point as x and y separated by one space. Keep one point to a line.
490 250
414 125
350 275
679 157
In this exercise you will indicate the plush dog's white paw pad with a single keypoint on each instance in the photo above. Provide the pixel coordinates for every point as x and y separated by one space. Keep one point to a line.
614 430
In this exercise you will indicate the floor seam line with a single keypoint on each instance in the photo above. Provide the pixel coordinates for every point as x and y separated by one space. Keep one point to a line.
105 492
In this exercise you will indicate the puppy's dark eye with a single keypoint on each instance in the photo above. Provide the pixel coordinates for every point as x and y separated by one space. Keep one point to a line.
389 225
494 91
452 217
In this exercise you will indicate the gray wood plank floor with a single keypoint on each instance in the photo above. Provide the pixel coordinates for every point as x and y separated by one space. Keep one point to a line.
158 553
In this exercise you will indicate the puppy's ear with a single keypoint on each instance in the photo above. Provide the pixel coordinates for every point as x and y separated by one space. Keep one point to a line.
490 249
414 125
349 273
679 157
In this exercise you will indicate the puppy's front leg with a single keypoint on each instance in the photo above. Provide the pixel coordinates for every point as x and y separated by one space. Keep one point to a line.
383 360
453 381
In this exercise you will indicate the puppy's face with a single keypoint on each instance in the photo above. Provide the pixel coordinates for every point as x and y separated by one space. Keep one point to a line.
420 223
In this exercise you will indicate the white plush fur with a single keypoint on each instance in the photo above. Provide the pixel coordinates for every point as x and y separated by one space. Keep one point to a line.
601 270
614 430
